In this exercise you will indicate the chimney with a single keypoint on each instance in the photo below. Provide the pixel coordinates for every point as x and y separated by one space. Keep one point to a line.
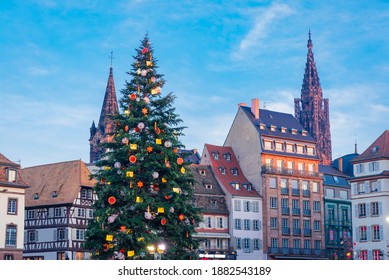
241 104
255 107
340 164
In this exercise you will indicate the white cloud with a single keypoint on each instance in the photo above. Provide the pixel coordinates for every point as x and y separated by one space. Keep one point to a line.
262 23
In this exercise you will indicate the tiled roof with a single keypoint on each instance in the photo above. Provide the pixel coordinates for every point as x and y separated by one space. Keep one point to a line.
329 170
228 178
207 189
4 160
65 178
191 155
278 120
379 149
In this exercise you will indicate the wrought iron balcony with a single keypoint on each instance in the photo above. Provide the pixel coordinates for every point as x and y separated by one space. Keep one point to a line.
307 232
307 212
285 210
312 253
297 231
267 169
285 191
296 211
285 231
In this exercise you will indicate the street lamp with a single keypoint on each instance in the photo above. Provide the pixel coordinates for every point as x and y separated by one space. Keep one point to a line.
157 252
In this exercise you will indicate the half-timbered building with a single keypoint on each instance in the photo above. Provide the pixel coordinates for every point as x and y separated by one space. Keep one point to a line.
58 207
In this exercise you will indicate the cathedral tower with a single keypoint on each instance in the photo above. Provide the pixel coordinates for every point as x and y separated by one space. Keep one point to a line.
312 110
99 134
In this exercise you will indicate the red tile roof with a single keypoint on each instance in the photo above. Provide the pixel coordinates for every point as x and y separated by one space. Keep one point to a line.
65 178
227 178
378 149
6 161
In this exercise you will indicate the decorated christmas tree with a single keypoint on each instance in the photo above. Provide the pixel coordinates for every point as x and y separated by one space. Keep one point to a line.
145 205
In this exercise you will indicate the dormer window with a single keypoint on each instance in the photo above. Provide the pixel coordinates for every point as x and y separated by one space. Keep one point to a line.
54 194
248 186
215 155
227 156
234 171
311 151
283 129
222 170
36 195
11 175
235 185
267 144
304 132
203 172
262 126
294 131
273 128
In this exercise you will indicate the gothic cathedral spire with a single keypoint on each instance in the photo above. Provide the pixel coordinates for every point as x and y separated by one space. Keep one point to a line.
110 107
312 110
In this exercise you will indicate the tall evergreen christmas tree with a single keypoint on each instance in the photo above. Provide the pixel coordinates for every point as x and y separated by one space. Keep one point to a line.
144 186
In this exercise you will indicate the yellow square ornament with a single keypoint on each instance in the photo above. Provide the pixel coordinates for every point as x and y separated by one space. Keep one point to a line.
130 174
130 253
109 237
133 146
158 141
161 210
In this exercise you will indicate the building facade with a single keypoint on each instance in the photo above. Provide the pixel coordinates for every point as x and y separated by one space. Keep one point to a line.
370 201
58 208
99 134
338 213
312 110
12 193
214 228
243 201
280 158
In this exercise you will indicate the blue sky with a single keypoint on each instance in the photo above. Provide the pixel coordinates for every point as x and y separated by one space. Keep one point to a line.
214 55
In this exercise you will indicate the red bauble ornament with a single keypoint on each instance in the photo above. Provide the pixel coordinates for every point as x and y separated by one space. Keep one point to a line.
132 159
163 221
180 161
181 217
133 96
111 200
145 50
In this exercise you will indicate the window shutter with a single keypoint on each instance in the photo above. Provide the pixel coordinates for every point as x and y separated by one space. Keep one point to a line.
356 210
379 186
368 233
369 255
356 231
353 188
379 208
381 232
368 210
55 237
370 166
251 245
36 236
66 234
366 186
51 212
25 237
260 244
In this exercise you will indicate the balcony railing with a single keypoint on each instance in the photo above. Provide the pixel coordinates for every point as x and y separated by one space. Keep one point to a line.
297 231
285 191
296 192
266 169
296 211
285 231
307 212
297 251
307 232
307 193
285 211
